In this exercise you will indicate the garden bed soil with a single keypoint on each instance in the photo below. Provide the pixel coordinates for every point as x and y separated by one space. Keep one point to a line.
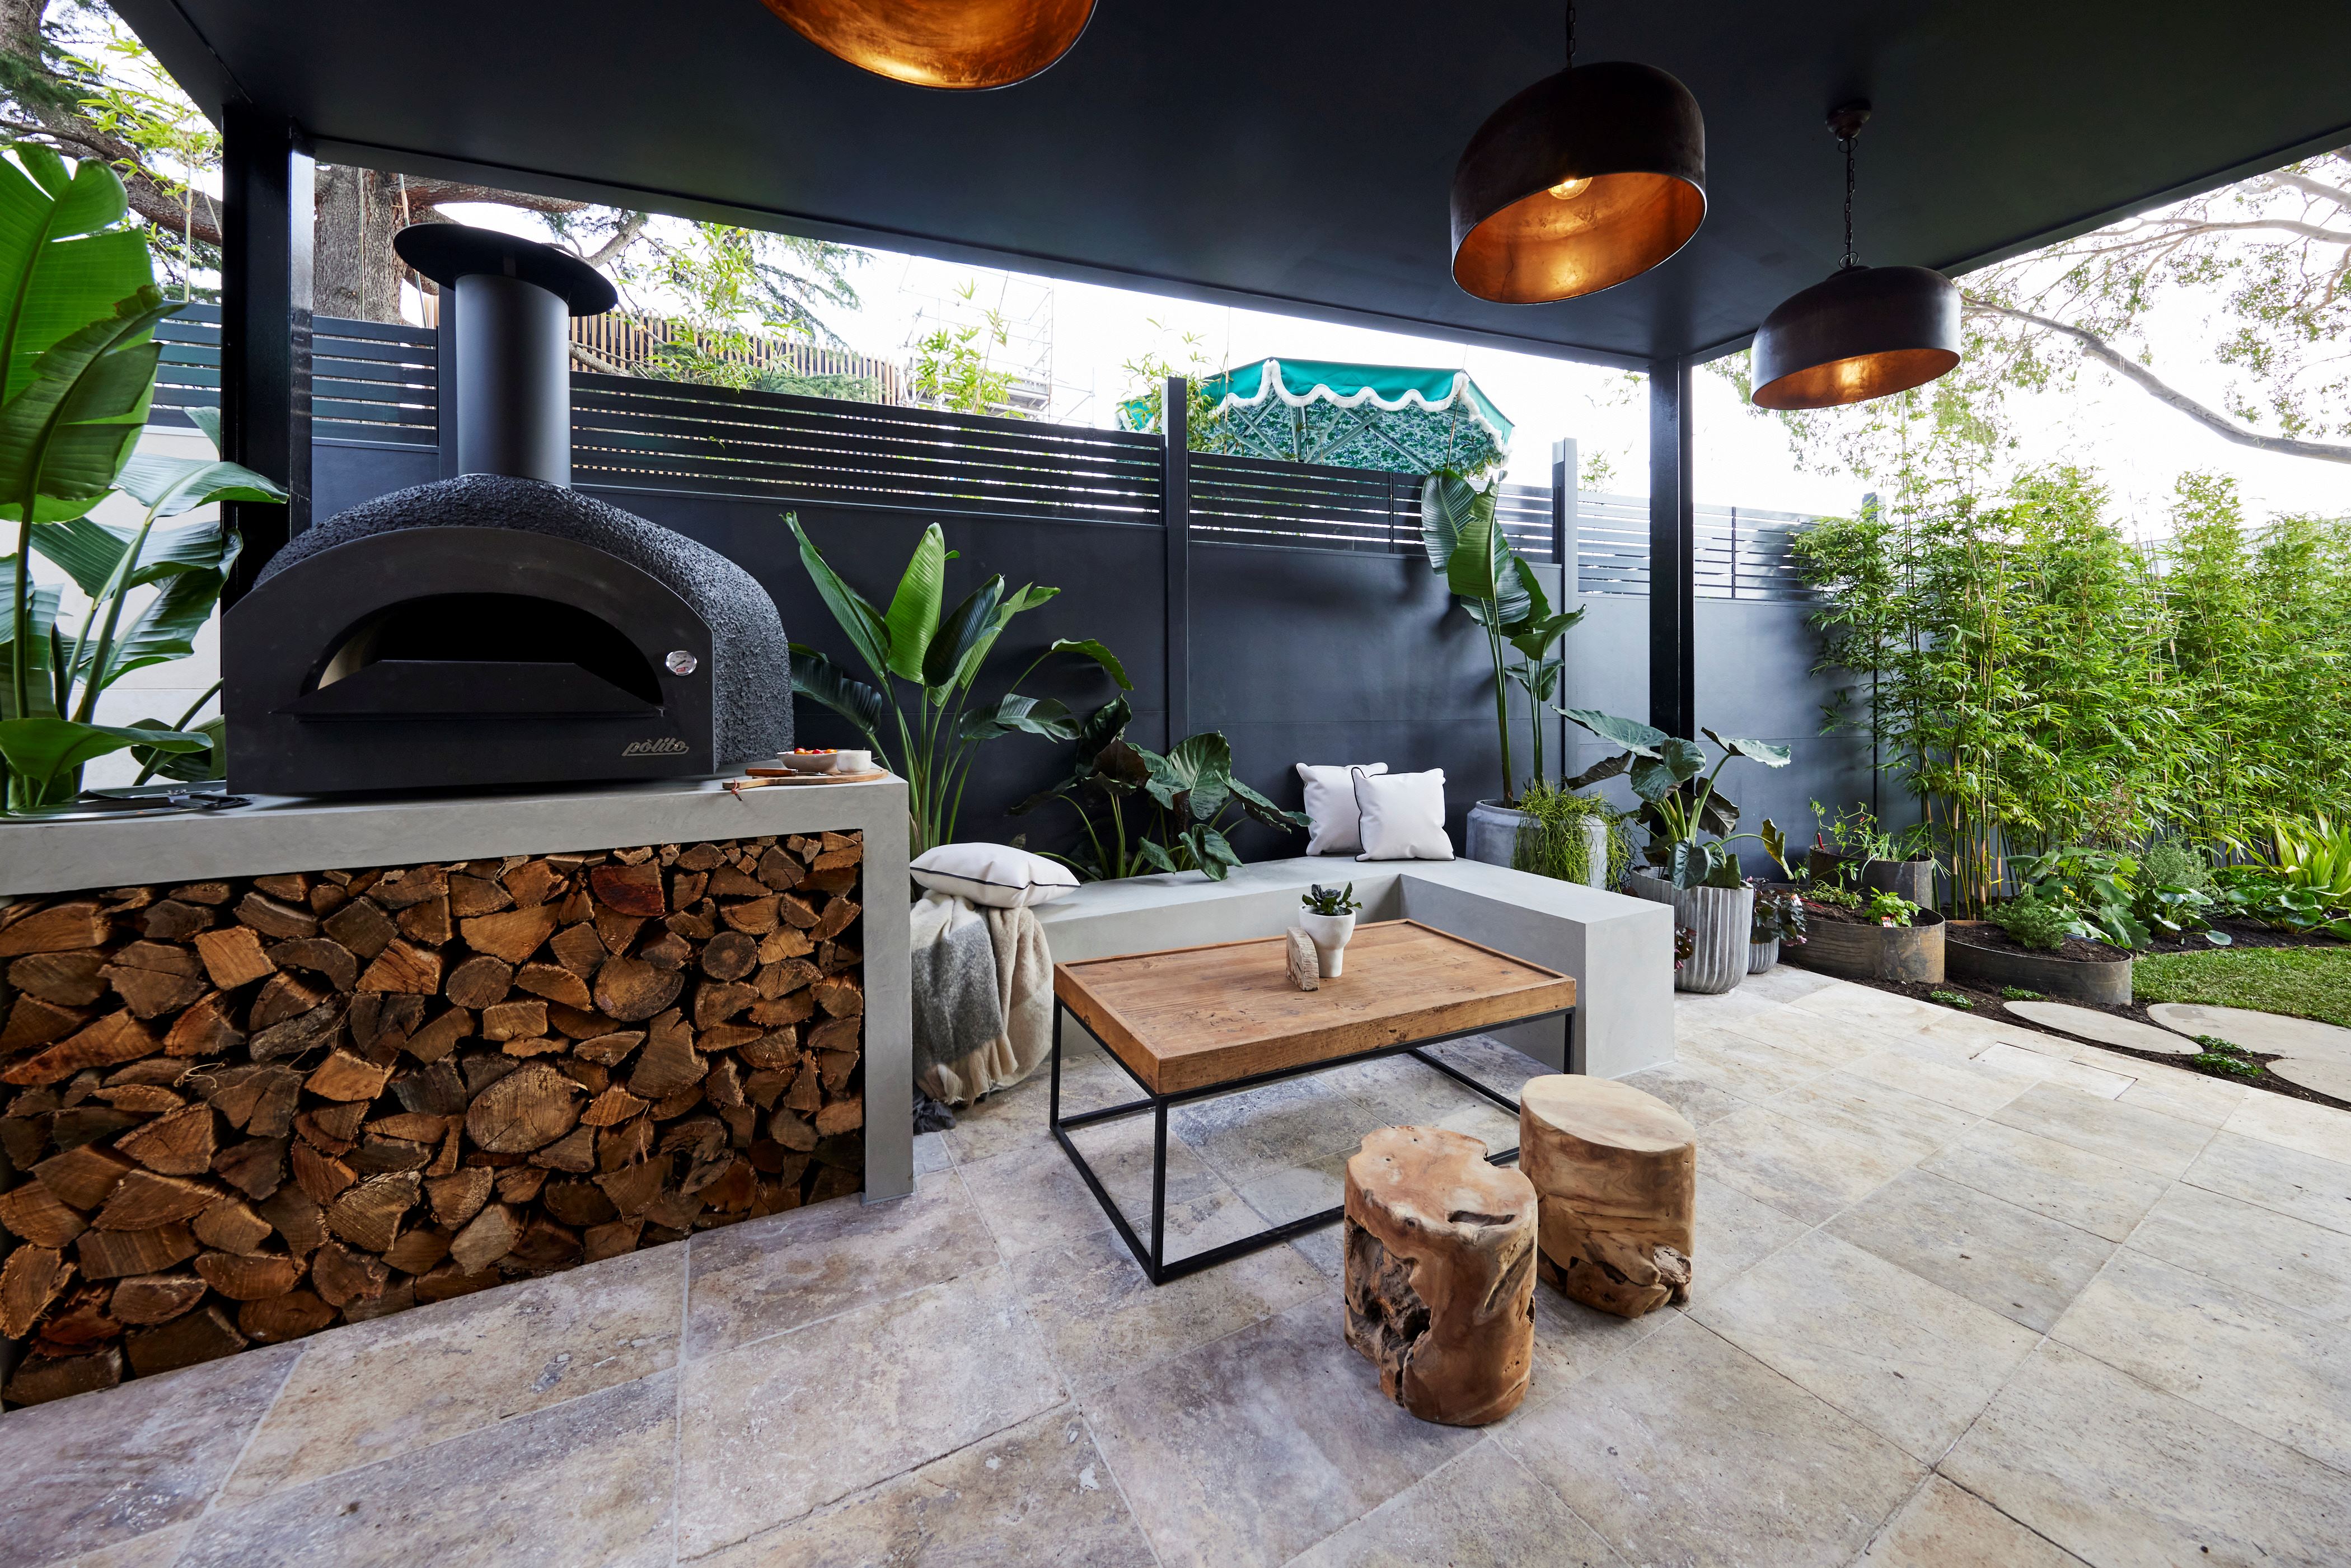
1988 1006
2078 949
2240 934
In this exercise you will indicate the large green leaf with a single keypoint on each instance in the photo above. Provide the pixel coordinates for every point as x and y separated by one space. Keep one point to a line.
912 618
1479 566
1640 739
63 263
1028 597
1198 771
1673 763
187 767
1533 632
1762 751
1048 716
818 678
65 437
42 749
960 632
1447 501
1261 810
1087 648
1540 678
857 618
171 486
1210 852
164 630
41 687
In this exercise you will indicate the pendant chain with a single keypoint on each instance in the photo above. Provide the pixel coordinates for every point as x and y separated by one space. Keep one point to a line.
1571 34
1849 260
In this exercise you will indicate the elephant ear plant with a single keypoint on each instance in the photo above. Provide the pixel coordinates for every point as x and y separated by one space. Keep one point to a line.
1177 824
933 734
78 360
1688 821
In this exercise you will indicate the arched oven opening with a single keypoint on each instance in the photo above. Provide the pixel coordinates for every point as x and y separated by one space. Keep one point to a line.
449 656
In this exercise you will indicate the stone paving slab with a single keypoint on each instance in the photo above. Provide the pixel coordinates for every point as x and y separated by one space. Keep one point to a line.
2106 1029
1895 1204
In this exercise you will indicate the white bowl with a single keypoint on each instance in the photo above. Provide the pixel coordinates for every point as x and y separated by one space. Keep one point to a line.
853 761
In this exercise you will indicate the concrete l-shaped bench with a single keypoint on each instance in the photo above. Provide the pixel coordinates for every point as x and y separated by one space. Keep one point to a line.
1620 949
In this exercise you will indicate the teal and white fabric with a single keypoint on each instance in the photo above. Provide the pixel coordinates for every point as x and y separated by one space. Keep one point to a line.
1399 418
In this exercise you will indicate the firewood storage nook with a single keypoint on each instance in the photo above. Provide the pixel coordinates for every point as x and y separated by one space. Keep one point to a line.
241 1101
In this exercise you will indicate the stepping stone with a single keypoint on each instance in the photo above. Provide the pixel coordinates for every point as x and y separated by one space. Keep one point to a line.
2269 1034
2325 1077
2088 1023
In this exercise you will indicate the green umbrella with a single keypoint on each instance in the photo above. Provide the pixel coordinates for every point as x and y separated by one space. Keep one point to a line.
1399 418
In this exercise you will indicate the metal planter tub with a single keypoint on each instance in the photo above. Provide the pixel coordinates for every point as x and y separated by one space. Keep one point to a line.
1904 954
1913 880
1493 836
1724 919
2081 980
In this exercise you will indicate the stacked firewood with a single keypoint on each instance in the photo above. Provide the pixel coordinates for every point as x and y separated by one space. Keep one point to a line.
240 1111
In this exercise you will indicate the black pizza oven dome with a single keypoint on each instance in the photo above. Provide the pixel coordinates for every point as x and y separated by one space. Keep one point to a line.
499 628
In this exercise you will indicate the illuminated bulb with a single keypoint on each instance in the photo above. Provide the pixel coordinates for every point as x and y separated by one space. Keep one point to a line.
1568 190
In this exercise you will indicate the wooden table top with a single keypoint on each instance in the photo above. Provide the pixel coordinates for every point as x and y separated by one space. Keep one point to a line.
1191 1017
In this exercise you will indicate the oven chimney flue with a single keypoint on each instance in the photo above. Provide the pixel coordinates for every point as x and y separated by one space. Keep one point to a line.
513 298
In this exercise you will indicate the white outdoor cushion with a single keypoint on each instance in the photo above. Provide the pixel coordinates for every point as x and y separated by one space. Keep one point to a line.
995 874
1403 816
1330 812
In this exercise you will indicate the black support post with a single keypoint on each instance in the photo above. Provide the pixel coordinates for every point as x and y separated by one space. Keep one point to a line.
444 377
1673 553
1567 548
1175 499
265 219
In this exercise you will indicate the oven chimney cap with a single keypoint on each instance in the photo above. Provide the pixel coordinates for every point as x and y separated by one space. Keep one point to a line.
447 252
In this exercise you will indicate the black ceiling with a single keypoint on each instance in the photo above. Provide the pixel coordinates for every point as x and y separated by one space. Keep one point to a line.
1295 157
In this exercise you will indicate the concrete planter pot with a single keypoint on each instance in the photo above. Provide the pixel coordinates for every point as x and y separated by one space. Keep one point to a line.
1724 919
2108 984
1493 838
1900 953
1761 955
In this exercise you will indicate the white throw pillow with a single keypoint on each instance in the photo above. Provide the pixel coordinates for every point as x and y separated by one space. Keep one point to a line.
1330 812
1403 816
995 874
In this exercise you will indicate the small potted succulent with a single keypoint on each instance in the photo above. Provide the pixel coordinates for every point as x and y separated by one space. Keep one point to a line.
1779 921
1329 922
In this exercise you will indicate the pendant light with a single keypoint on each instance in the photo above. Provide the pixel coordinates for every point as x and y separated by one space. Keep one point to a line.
1868 332
955 44
1587 178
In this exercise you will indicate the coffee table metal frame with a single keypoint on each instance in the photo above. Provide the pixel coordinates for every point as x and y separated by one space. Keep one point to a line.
1153 1260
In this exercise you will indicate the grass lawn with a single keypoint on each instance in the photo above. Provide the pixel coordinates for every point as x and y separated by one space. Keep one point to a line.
2306 982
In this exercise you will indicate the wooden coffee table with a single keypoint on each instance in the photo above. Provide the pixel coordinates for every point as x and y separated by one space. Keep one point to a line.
1193 1022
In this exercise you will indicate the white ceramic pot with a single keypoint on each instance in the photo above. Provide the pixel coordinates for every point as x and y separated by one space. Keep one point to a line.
1329 932
1723 919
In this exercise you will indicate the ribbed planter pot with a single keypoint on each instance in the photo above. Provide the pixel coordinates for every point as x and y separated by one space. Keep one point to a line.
1493 835
1913 880
1900 953
1724 919
1761 955
2109 983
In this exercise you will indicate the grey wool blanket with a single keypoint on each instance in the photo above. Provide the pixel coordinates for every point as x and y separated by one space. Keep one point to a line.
983 986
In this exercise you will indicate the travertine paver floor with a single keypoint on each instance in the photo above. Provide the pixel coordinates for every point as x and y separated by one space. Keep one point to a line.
1965 1294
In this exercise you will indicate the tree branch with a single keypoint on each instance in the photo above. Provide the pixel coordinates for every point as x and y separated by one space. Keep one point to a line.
622 238
2287 179
2147 381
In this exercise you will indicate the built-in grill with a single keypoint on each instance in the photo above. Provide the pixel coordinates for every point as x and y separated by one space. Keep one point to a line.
499 628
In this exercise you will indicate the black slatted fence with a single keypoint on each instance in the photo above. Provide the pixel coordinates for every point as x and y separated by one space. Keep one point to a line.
377 383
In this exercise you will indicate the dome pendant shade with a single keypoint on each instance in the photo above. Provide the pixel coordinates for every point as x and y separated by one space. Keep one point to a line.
1588 178
1868 332
954 44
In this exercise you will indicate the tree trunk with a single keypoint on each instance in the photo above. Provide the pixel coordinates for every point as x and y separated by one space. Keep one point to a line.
354 273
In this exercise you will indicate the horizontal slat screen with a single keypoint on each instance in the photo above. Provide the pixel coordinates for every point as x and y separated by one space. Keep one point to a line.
370 381
665 435
377 382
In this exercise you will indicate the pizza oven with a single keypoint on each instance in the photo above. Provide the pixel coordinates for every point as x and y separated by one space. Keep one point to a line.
499 628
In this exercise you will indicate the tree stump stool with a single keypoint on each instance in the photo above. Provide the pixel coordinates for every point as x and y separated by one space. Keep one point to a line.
1440 1275
1615 1172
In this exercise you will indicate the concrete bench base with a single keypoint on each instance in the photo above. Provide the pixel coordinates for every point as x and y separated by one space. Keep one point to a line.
1619 949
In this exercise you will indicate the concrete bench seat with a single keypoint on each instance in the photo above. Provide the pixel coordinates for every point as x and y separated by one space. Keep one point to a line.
1619 949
